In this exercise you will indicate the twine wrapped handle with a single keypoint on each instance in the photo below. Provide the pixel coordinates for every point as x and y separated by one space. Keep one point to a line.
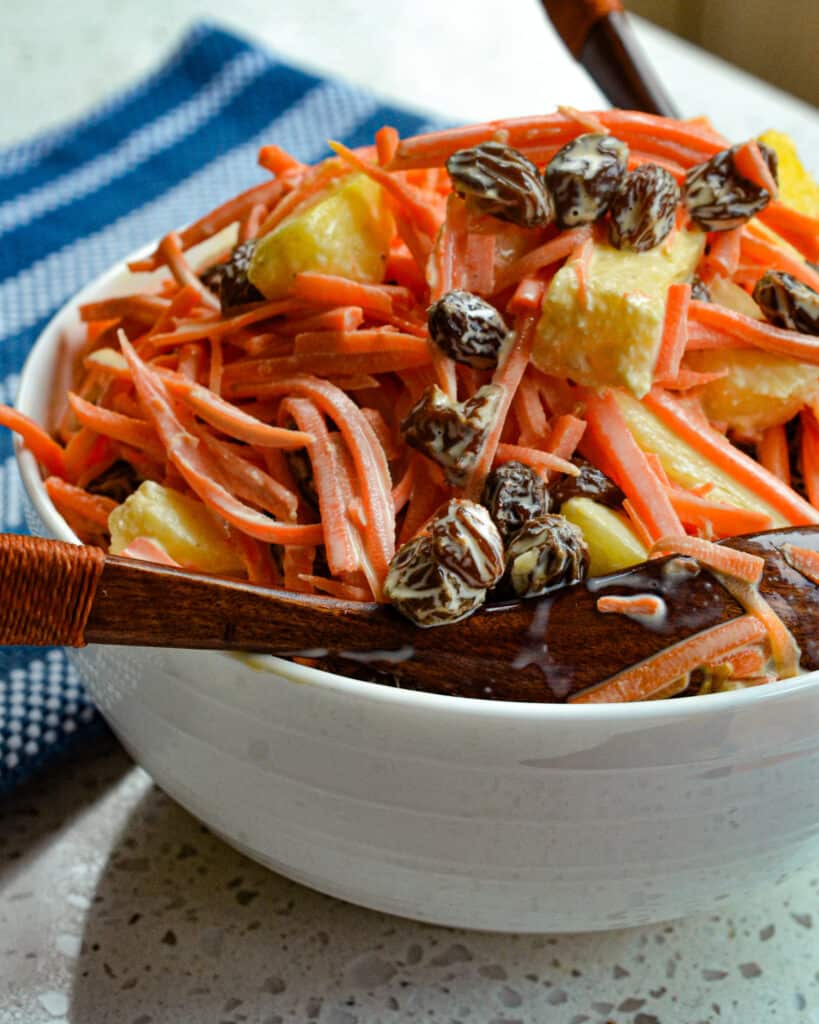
47 589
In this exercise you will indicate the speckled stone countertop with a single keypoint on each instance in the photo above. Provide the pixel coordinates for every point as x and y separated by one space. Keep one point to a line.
115 904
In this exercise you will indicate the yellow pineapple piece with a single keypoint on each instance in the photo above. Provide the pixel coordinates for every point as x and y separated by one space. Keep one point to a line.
685 465
761 389
181 525
796 186
612 337
613 544
347 232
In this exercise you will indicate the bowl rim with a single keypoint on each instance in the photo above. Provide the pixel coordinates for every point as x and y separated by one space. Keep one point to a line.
642 712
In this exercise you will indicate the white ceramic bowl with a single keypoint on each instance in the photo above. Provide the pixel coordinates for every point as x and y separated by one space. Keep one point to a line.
514 817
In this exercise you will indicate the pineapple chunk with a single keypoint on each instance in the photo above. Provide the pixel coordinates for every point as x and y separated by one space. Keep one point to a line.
613 544
760 391
796 186
347 232
181 525
613 337
686 466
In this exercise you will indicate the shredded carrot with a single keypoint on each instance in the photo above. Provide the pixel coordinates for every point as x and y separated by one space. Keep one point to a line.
804 560
534 457
716 518
651 675
750 163
550 252
784 648
146 549
750 661
674 336
757 333
386 144
93 507
331 290
609 431
772 452
635 606
44 448
728 561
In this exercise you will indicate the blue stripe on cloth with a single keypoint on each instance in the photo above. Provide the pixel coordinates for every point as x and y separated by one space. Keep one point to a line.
243 116
72 204
35 163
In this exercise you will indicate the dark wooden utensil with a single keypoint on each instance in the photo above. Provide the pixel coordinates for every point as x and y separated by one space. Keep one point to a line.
540 650
599 36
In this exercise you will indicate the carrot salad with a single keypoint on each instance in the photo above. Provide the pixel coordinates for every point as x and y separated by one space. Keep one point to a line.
600 329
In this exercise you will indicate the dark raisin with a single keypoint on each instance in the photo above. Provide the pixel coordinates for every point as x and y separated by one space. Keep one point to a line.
468 329
699 289
500 181
451 433
229 280
467 542
546 552
718 197
584 176
425 590
643 211
788 302
118 482
513 494
591 483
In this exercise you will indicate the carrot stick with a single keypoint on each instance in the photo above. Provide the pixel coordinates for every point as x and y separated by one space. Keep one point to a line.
527 296
278 161
749 661
232 420
143 308
332 290
758 333
724 252
738 564
535 458
635 606
529 411
479 264
641 681
408 197
336 588
339 544
403 489
715 517
550 252
803 560
751 165
386 144
800 229
137 433
772 452
93 507
610 433
674 338
44 448
721 452
758 249
810 456
170 250
146 549
507 376
784 648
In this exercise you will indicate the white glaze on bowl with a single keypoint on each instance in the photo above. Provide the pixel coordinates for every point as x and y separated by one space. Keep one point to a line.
518 817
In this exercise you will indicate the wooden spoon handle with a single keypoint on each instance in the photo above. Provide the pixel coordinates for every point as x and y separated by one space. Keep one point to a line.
599 36
47 589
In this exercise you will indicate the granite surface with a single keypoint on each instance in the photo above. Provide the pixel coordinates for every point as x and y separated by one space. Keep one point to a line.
115 904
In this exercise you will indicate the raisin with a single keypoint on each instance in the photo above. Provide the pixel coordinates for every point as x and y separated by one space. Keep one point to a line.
584 176
546 552
500 181
718 197
451 433
788 302
642 212
591 483
425 590
467 542
513 494
229 280
468 329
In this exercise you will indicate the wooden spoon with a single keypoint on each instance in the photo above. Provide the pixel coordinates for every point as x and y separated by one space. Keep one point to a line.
544 649
599 36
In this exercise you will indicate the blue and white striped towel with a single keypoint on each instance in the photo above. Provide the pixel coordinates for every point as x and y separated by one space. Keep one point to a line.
75 200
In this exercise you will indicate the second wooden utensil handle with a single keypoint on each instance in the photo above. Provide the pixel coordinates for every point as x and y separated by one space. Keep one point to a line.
575 19
46 590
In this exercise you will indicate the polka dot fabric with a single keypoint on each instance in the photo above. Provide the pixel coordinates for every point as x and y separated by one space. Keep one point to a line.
76 200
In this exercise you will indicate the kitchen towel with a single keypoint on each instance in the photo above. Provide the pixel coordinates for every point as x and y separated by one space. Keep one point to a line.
78 199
